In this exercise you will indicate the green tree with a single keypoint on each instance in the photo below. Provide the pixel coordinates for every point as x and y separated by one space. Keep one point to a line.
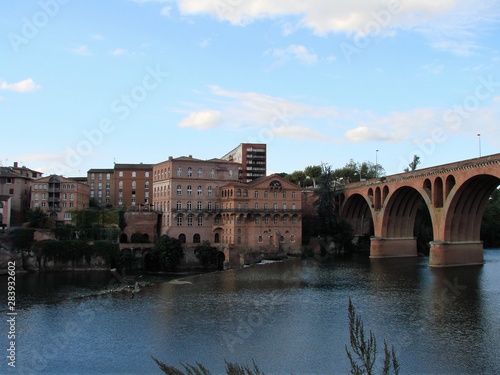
414 164
170 252
325 201
297 177
37 217
313 172
207 254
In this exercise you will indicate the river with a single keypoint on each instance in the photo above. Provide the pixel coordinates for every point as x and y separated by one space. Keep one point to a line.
290 317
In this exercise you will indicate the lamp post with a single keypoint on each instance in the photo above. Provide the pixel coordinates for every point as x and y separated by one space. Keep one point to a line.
479 141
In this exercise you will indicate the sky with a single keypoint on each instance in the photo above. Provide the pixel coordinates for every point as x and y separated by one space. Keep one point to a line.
85 84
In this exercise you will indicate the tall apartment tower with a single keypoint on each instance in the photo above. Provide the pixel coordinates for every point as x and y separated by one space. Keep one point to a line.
253 160
132 185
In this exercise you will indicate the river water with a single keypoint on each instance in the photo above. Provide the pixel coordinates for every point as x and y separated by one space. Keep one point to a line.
290 317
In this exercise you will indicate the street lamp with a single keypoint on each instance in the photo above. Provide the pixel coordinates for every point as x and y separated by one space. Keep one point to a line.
479 141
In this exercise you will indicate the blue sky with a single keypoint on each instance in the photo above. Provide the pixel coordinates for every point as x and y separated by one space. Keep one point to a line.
84 84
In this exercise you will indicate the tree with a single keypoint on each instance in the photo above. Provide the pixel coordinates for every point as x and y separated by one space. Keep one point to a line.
297 177
37 217
491 221
206 254
313 172
325 201
170 252
413 165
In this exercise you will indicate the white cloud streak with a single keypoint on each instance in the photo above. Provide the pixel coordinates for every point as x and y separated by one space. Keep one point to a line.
26 85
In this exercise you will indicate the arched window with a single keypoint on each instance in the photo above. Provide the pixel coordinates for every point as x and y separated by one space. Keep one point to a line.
182 238
179 190
209 190
196 238
200 191
179 205
200 172
189 205
189 190
190 172
217 238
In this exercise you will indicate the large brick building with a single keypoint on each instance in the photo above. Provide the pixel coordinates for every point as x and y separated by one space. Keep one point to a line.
264 214
186 194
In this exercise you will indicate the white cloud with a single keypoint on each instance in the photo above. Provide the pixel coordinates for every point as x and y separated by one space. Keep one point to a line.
97 37
118 52
295 52
81 50
165 11
450 25
366 134
201 120
26 85
496 99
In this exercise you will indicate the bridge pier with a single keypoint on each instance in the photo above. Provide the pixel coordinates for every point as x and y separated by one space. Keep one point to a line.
463 253
393 247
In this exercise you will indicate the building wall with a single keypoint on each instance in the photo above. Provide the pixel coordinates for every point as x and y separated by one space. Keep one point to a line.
102 186
58 196
253 160
133 185
264 215
185 192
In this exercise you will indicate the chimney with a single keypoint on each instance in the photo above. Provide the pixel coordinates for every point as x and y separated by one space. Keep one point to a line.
15 164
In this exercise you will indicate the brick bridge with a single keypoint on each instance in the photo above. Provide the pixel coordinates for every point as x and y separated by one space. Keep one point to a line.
455 194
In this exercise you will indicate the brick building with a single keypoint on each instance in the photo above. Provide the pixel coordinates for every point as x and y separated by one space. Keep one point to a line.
132 185
102 186
264 215
58 196
185 192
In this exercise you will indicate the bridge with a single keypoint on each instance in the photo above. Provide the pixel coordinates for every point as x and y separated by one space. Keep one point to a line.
455 194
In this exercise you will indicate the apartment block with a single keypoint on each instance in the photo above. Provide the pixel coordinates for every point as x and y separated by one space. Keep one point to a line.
186 193
58 196
132 185
253 160
15 182
102 187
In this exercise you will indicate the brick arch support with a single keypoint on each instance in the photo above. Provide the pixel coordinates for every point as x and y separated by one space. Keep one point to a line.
357 211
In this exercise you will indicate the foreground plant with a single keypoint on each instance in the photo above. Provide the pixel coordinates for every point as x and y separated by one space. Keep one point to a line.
362 358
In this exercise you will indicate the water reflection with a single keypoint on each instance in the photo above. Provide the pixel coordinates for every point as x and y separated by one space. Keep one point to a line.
290 317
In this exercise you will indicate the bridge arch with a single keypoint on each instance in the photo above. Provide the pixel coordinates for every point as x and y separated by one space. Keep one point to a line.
466 208
357 212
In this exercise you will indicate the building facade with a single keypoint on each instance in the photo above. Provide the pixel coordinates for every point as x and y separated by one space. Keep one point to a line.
58 196
15 182
102 187
186 194
253 160
132 185
263 215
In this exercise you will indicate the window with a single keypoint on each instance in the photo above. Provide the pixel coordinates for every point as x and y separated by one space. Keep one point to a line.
266 194
133 201
284 206
146 185
238 192
190 172
209 206
265 206
212 173
256 194
293 206
67 216
134 184
190 220
189 190
120 185
266 219
134 174
209 191
256 206
293 194
179 172
72 196
275 207
294 219
99 186
108 176
146 174
285 219
200 221
200 191
36 196
230 173
238 240
108 186
261 239
189 206
179 190
182 237
196 238
120 201
178 205
275 194
200 172
257 219
239 206
276 218
92 176
179 221
199 206
100 176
